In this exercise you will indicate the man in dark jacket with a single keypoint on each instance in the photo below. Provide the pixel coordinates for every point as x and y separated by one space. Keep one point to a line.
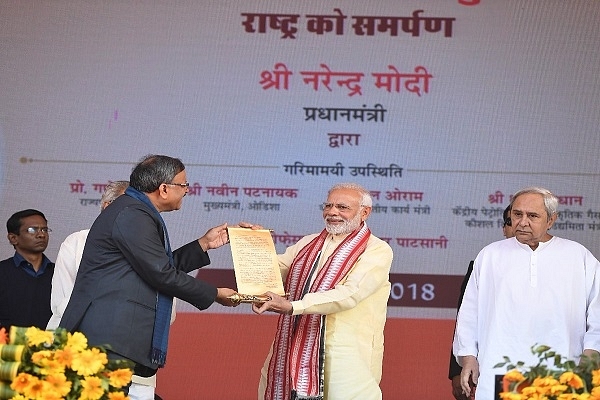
128 274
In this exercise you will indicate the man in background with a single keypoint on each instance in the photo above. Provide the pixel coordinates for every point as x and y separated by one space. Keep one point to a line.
454 369
534 288
26 277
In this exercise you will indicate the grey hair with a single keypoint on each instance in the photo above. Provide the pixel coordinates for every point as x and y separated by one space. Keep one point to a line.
154 170
550 200
366 200
113 190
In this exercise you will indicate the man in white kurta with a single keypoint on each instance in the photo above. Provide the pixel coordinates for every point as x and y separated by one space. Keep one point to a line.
531 289
355 309
65 272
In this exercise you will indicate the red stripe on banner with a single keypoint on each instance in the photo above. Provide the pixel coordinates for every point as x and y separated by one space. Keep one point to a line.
408 290
219 356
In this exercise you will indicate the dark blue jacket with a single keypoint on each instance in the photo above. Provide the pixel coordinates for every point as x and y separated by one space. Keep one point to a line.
123 267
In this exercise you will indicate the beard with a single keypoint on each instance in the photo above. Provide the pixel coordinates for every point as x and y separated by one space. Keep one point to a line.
348 225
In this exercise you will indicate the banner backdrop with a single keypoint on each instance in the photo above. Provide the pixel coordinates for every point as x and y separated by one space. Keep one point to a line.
441 108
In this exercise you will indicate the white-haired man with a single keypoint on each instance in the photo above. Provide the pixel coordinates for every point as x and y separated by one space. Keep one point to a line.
532 289
329 340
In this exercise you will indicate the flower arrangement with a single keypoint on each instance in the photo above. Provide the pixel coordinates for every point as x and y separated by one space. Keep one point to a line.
552 378
50 365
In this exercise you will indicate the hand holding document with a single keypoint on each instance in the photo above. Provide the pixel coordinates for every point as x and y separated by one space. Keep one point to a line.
255 265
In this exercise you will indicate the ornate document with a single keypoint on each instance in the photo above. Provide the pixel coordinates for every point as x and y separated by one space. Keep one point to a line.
255 264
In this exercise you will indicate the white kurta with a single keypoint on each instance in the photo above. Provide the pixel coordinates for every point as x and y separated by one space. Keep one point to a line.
356 312
65 272
517 297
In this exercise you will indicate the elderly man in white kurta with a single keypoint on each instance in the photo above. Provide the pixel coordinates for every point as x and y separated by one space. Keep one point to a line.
329 340
532 289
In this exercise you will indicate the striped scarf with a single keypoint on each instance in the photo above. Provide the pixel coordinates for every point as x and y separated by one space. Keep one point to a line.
296 366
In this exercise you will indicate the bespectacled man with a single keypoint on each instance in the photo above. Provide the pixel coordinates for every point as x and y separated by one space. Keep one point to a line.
26 277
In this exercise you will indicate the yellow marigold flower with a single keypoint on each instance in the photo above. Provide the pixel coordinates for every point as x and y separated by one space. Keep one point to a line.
50 395
538 396
557 389
59 384
120 377
91 388
514 376
52 367
65 356
568 396
512 396
531 390
39 357
545 382
36 336
77 341
45 359
571 379
89 362
596 377
21 381
596 392
117 396
19 397
35 388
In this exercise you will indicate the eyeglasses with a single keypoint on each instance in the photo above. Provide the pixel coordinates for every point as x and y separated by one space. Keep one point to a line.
340 207
183 185
32 230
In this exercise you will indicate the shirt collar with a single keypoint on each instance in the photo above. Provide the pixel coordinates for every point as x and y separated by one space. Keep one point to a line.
541 245
21 262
